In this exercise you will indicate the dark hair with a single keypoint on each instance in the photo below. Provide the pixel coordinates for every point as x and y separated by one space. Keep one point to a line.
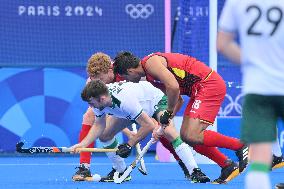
123 61
95 89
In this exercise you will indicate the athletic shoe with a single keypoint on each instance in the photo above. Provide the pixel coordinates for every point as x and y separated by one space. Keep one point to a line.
109 177
82 174
228 173
198 177
184 169
242 155
277 162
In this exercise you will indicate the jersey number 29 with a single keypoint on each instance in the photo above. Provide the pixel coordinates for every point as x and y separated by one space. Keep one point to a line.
273 15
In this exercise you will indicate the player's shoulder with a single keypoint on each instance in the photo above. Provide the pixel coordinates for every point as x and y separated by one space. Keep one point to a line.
150 56
232 2
145 83
239 4
119 89
117 83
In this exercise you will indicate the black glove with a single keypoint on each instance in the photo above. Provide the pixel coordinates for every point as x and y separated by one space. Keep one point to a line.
165 117
124 150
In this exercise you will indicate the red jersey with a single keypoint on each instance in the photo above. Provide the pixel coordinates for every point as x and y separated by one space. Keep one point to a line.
187 71
118 78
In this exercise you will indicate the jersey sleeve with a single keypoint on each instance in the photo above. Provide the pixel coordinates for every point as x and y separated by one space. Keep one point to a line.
228 19
132 108
98 113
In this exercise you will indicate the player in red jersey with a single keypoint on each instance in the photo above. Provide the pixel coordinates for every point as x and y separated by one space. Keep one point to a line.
100 67
178 74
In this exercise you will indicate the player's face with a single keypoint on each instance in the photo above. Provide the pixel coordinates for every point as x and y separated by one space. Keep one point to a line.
96 103
132 75
105 77
101 102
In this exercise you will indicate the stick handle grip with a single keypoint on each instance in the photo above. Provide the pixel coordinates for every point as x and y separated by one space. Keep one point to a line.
97 150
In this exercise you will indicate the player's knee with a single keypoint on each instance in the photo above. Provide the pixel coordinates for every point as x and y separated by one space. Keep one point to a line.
189 138
185 137
105 137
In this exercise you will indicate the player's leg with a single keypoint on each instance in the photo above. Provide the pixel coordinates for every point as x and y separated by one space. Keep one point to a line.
202 111
259 130
179 148
277 157
162 105
260 161
167 144
185 154
83 173
229 170
114 126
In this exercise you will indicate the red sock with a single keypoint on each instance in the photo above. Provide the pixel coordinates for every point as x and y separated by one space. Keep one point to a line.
85 157
214 139
212 153
170 147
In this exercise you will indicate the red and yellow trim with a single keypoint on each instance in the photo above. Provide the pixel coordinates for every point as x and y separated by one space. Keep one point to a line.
210 73
207 122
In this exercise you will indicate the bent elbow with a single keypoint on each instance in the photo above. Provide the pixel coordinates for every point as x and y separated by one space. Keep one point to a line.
175 87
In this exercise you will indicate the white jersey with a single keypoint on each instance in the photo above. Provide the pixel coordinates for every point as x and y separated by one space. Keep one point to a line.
260 24
130 99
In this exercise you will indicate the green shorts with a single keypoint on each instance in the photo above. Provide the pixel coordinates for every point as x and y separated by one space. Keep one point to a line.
260 115
161 106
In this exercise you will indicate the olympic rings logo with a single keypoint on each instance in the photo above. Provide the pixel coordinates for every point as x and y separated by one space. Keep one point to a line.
139 10
230 105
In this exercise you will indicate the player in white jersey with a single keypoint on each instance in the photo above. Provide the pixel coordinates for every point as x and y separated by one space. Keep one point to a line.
136 102
260 25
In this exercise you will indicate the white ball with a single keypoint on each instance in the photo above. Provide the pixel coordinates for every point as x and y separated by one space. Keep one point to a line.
97 177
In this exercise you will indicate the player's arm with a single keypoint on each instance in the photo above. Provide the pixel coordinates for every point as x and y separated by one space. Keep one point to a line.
227 45
155 67
178 105
227 27
128 133
146 126
135 112
94 133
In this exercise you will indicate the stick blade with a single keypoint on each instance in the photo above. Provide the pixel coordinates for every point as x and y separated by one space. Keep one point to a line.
143 171
119 179
19 146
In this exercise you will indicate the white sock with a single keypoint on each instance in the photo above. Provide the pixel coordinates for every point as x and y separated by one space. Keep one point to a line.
117 161
276 150
86 165
257 180
186 156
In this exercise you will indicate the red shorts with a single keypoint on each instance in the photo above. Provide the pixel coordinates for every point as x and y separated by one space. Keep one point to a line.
206 99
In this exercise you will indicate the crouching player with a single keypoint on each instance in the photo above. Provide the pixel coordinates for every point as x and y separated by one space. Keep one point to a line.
100 67
136 102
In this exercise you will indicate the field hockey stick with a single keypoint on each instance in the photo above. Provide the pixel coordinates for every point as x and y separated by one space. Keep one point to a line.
119 179
142 167
36 150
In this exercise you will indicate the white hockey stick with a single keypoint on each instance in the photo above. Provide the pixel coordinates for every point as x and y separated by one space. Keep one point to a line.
119 179
142 167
